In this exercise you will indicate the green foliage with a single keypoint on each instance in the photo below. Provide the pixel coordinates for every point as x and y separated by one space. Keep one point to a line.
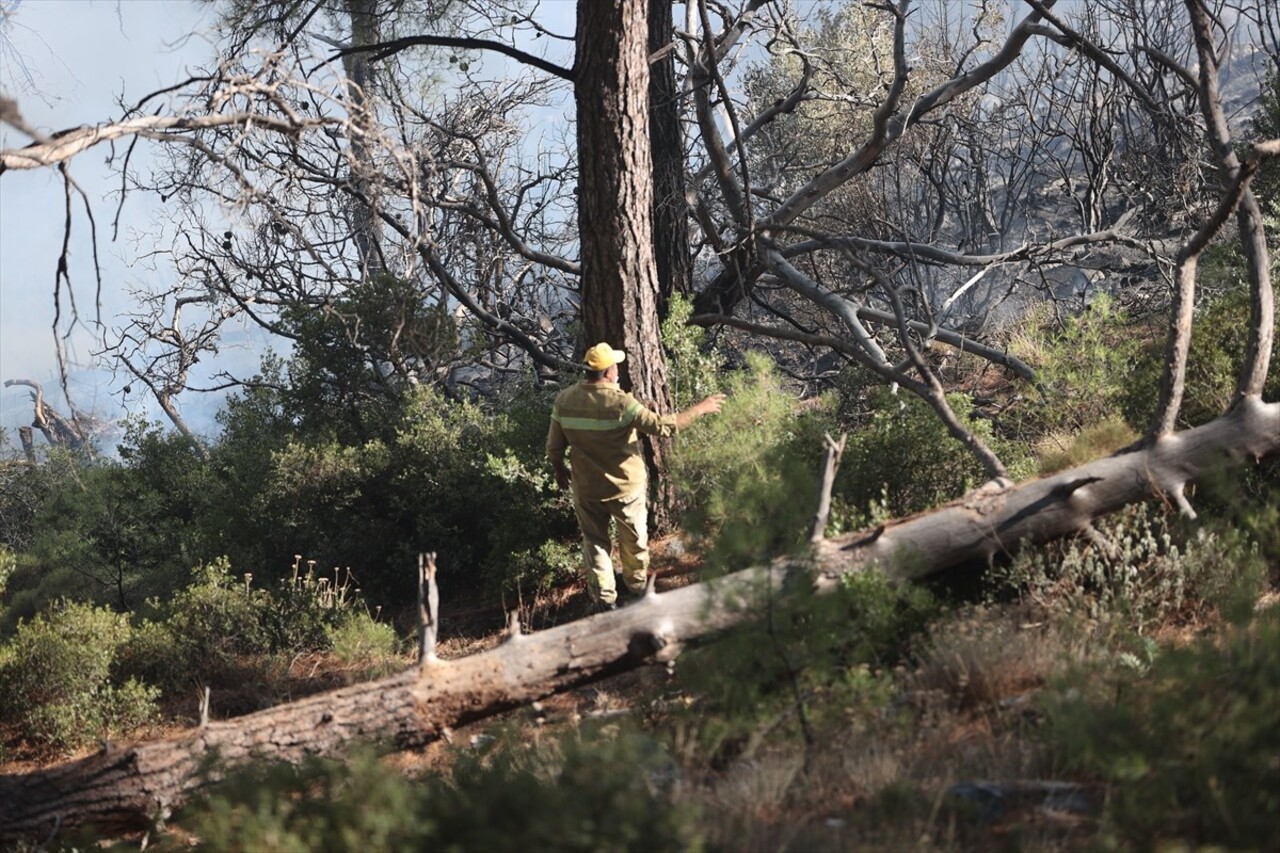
1058 451
206 634
361 642
588 793
305 606
818 130
1218 341
750 475
527 547
320 805
115 532
1187 748
538 569
1264 125
222 630
1141 569
601 790
56 679
21 493
1084 366
446 477
422 473
827 658
903 460
1101 368
338 378
692 370
8 564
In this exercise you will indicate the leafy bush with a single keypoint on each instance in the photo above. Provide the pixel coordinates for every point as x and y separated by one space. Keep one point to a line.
692 370
222 630
601 792
57 683
207 634
319 804
8 563
904 460
115 531
1084 368
306 606
540 568
750 475
1142 569
370 647
1187 749
445 476
802 664
1059 451
1215 355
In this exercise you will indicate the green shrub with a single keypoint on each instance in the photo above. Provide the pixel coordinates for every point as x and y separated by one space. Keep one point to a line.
600 793
801 664
750 475
112 531
56 679
320 804
1218 334
529 552
1185 747
538 569
450 477
1059 451
8 564
306 606
209 633
1141 569
692 370
598 790
370 647
1084 369
904 460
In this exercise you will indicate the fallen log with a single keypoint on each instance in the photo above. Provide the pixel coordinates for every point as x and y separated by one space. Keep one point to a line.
129 787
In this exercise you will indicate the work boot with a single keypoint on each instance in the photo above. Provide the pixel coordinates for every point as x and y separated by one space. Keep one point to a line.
591 606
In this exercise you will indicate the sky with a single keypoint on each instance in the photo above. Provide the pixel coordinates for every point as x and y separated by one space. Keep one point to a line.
67 62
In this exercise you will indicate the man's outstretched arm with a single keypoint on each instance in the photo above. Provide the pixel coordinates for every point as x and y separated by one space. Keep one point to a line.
707 406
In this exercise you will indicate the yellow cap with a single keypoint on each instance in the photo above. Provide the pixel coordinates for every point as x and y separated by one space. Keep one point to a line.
602 357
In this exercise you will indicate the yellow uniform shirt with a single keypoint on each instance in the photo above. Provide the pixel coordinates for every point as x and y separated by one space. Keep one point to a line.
602 423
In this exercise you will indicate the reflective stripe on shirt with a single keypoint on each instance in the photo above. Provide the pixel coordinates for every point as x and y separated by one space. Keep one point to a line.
599 424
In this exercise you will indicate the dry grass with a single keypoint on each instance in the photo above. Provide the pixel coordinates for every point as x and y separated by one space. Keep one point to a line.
879 782
880 779
1059 451
984 657
882 783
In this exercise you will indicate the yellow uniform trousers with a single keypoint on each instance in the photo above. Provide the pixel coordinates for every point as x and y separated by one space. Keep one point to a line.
631 515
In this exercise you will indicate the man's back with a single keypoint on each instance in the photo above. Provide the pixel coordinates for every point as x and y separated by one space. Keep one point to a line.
601 423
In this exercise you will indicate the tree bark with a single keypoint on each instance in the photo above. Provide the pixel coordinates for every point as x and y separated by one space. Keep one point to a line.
364 209
666 139
126 787
620 290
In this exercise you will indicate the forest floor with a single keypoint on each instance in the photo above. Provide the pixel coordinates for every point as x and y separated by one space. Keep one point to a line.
469 628
970 695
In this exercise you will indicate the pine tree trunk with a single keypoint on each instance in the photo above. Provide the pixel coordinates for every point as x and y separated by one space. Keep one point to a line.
363 213
666 139
620 290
